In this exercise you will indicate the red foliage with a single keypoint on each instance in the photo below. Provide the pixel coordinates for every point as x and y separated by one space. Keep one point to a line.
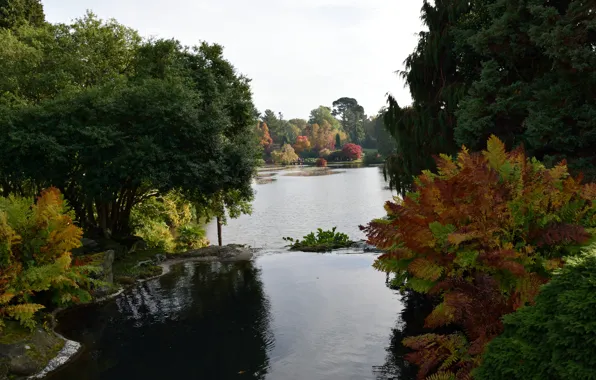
352 151
265 138
321 163
484 234
302 144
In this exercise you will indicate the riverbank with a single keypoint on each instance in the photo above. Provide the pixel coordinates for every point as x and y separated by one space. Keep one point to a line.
26 354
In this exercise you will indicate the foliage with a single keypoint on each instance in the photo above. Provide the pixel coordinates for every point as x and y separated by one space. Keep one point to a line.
352 118
324 153
546 103
352 151
321 136
438 76
483 233
15 13
310 161
191 236
323 114
158 235
285 156
322 241
337 155
373 159
35 259
265 139
321 162
121 120
302 144
553 339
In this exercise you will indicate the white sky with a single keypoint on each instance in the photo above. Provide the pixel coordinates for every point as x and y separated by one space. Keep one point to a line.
299 53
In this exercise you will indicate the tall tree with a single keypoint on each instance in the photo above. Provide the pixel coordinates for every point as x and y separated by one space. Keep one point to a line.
15 13
438 77
352 118
537 85
322 114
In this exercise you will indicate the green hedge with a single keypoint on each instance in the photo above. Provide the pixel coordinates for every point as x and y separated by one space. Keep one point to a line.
554 339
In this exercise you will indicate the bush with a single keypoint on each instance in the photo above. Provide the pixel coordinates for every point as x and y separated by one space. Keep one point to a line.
373 159
324 153
157 235
285 156
310 161
553 339
35 259
352 151
321 241
483 234
191 237
321 162
337 155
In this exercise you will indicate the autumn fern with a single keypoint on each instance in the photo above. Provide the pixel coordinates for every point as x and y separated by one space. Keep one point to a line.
35 245
484 233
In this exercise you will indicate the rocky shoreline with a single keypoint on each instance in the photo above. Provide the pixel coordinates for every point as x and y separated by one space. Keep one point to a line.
33 355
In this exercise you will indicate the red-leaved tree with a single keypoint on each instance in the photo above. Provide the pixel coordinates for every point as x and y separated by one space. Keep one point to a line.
352 151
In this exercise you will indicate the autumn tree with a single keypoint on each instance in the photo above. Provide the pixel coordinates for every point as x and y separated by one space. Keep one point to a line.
322 136
285 156
352 151
323 114
265 139
302 144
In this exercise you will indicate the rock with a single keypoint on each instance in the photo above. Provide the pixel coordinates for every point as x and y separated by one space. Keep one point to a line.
231 252
89 244
144 263
24 353
138 245
365 246
159 258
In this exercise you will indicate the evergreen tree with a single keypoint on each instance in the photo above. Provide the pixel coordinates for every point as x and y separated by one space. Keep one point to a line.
437 75
537 84
14 13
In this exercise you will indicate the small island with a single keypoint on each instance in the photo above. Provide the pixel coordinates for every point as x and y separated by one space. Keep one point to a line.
322 241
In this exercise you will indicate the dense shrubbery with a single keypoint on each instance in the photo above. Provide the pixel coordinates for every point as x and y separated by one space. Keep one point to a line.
321 162
373 159
35 259
352 151
483 234
321 241
554 339
285 156
324 153
168 223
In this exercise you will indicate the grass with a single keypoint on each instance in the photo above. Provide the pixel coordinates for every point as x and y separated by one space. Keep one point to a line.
13 332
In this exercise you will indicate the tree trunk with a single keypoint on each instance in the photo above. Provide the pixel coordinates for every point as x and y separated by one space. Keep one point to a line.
219 231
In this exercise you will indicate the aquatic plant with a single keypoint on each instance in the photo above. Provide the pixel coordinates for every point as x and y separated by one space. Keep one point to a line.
322 241
483 234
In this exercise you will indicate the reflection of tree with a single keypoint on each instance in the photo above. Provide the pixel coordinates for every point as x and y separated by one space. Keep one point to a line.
206 321
416 307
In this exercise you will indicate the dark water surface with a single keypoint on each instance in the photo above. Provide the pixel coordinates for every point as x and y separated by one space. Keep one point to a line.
284 316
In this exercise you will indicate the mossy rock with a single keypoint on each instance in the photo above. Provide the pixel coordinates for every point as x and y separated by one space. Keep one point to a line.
24 352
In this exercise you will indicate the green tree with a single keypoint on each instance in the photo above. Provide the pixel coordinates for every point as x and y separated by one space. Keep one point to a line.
546 103
322 114
352 118
337 141
554 338
222 205
285 156
153 118
15 13
438 76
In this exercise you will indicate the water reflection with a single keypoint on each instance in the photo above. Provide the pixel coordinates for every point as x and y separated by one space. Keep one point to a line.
213 315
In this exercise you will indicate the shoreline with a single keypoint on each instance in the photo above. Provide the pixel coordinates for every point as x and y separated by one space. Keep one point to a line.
72 349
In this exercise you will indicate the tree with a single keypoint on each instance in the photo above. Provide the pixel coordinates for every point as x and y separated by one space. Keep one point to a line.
337 140
285 156
15 13
323 114
150 119
352 118
438 76
321 136
265 139
352 151
552 339
545 103
302 144
223 204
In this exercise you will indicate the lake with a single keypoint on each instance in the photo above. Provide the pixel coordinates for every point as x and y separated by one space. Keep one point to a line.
286 315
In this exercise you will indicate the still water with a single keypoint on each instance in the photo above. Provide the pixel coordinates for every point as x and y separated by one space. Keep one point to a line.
284 316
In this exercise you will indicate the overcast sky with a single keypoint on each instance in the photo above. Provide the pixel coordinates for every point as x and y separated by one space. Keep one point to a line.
299 53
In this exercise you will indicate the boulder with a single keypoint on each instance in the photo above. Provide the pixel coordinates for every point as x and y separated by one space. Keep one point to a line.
365 246
231 252
24 352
